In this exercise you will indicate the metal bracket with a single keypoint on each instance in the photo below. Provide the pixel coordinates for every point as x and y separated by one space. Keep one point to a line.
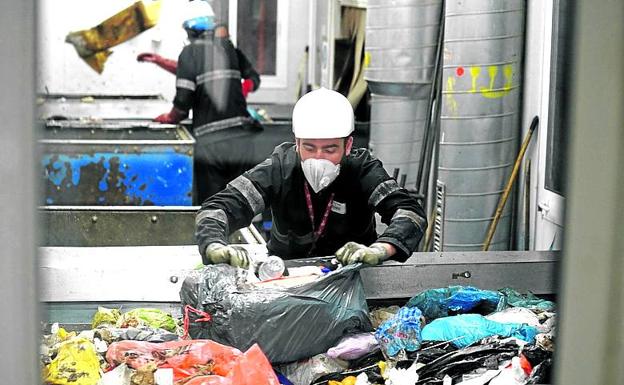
438 222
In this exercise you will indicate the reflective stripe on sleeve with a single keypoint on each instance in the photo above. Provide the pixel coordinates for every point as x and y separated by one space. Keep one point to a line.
412 216
217 214
186 84
382 191
249 191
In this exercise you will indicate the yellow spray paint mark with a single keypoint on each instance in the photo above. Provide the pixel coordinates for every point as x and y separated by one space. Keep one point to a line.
474 74
367 59
450 87
492 93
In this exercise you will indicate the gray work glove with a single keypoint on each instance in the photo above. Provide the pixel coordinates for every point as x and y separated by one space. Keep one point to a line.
354 252
234 255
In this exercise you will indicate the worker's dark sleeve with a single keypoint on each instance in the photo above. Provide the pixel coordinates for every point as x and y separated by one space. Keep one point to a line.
235 206
247 70
399 210
185 81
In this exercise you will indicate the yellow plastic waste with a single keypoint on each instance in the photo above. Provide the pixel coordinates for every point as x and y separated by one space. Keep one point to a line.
382 368
154 318
93 44
345 381
76 363
105 316
63 335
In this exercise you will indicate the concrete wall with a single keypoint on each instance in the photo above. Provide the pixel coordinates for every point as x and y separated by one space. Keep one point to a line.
61 71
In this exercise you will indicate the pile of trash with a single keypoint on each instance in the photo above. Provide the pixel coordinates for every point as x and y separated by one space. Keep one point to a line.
454 335
317 332
146 347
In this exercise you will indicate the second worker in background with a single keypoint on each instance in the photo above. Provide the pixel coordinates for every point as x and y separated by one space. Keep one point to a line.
208 72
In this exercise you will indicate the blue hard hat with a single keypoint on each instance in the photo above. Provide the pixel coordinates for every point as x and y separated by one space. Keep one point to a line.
200 24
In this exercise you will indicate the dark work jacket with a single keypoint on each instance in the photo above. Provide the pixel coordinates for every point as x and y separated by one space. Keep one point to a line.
208 81
361 188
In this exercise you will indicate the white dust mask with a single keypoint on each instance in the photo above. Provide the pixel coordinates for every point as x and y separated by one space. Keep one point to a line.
320 172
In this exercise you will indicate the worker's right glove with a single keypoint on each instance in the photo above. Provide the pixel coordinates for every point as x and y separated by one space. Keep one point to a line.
353 252
174 116
247 86
166 64
234 255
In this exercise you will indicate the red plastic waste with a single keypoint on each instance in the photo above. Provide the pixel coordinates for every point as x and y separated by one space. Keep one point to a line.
226 365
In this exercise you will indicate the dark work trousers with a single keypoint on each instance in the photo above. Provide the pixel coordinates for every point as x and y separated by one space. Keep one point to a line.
222 156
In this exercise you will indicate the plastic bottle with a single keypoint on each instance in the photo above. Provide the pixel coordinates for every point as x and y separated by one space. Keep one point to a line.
272 268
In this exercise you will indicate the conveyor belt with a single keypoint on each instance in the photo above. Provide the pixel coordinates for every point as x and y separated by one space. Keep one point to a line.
80 278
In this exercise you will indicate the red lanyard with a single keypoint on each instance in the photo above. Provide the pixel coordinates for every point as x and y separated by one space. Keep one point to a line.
318 232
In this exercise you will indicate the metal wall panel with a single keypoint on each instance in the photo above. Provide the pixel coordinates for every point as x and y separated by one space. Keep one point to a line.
19 319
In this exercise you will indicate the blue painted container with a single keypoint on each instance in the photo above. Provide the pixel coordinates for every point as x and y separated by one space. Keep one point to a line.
116 163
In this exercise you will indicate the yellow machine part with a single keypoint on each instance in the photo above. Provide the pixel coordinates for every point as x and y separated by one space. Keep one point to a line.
93 44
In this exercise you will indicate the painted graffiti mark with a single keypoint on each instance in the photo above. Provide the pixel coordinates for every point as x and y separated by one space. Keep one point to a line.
450 86
474 75
490 91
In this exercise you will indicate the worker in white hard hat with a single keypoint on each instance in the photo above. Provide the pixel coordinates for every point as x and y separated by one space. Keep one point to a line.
208 81
323 194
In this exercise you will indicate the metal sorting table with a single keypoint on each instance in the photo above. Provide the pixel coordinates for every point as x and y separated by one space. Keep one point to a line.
116 162
92 226
75 280
101 106
95 226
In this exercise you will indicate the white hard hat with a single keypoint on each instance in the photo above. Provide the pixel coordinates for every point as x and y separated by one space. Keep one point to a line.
322 114
198 15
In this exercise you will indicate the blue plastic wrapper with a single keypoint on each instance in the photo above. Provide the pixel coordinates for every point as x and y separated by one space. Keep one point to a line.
401 332
438 303
465 329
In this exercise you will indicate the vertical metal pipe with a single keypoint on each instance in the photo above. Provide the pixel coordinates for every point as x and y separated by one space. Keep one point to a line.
434 100
401 50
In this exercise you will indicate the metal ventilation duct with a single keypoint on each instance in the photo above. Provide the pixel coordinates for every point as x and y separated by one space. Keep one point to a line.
482 68
401 40
397 126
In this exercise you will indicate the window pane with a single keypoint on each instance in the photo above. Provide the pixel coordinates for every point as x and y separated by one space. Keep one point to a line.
555 151
256 33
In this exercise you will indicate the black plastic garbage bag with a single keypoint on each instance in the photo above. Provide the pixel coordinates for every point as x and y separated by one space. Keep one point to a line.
458 362
289 324
541 360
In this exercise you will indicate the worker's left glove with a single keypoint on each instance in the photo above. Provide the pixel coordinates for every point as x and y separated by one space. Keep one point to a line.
233 255
172 117
354 252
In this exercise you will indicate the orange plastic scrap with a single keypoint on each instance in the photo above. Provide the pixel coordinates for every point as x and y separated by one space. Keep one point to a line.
227 365
209 380
93 44
253 368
